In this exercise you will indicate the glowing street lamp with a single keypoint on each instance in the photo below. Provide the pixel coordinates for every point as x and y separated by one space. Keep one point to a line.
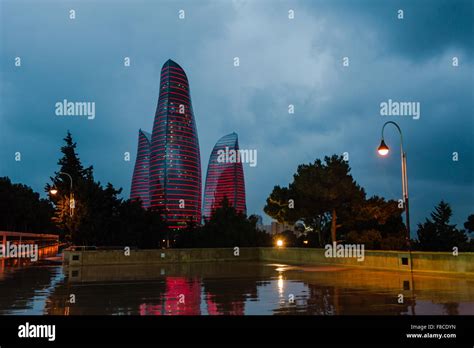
279 243
53 191
383 150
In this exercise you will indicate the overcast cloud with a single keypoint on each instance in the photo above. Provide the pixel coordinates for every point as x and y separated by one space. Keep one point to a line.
282 62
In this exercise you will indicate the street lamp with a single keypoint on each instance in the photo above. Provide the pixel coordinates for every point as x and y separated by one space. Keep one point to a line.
383 150
72 203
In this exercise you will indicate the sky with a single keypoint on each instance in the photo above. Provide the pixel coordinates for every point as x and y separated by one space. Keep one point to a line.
283 61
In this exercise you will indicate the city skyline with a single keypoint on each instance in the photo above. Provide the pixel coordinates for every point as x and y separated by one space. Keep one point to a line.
180 164
282 62
174 130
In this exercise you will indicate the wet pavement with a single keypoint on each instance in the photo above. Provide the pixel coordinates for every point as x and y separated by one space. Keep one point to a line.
229 288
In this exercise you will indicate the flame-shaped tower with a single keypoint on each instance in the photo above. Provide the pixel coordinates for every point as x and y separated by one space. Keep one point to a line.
175 162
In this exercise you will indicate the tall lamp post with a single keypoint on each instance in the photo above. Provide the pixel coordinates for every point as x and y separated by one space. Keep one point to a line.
72 203
383 150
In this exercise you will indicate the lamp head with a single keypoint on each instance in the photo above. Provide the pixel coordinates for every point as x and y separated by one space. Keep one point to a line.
383 149
53 191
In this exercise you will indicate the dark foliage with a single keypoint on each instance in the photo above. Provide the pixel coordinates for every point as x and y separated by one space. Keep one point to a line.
225 228
22 209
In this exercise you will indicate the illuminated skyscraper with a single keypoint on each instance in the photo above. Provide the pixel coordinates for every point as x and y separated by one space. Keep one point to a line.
140 181
175 162
225 176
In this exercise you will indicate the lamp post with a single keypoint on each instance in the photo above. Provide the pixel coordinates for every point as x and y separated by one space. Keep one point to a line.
72 203
383 150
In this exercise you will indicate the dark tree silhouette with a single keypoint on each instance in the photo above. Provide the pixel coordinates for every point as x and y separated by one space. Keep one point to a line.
437 234
82 183
225 228
100 216
469 224
319 191
377 223
22 209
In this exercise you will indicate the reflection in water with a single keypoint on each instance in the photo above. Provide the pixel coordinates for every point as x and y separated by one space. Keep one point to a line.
231 288
25 286
12 264
181 297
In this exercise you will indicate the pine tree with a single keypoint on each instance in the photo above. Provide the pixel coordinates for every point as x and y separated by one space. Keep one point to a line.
100 216
469 224
437 234
68 218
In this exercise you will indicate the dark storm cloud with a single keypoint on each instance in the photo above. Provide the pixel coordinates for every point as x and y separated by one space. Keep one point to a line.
428 26
283 62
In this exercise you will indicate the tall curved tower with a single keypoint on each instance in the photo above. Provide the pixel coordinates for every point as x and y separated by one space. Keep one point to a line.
224 178
175 162
141 173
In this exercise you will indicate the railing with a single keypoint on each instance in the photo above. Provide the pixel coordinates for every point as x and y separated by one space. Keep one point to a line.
6 234
19 238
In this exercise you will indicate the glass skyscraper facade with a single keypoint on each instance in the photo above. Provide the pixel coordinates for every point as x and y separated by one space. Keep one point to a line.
225 176
167 172
175 162
141 173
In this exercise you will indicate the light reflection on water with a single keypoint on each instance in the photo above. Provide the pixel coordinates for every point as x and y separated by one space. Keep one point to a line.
231 288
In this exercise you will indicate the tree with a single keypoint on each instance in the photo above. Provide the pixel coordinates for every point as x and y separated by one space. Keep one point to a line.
22 209
318 194
135 226
225 228
469 224
436 234
377 223
82 183
371 239
100 217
